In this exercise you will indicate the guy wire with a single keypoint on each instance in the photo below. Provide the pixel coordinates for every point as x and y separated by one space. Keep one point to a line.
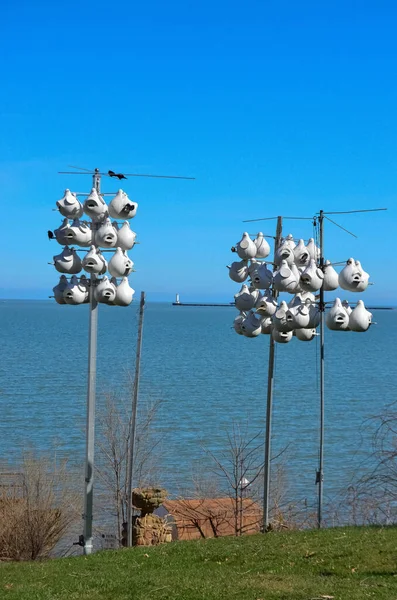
340 226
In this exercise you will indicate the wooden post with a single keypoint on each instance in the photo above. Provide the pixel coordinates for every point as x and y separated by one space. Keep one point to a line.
131 456
269 404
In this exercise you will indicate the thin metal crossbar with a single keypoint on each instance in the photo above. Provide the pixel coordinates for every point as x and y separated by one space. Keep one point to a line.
349 212
129 175
272 218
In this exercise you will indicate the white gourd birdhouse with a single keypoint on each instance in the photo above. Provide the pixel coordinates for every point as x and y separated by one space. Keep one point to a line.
266 306
347 307
106 235
315 315
308 296
94 262
285 252
59 289
75 292
255 293
60 233
331 277
305 335
246 248
251 326
245 299
262 277
124 293
105 291
295 300
262 247
289 241
267 325
121 207
364 278
297 274
349 276
337 318
303 296
69 206
253 266
313 250
360 318
352 277
299 313
238 271
237 323
281 337
279 318
284 279
68 261
312 277
113 280
125 236
301 254
95 206
85 283
259 297
120 265
79 233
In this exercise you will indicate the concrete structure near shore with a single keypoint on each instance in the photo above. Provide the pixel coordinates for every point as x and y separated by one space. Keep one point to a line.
179 303
192 519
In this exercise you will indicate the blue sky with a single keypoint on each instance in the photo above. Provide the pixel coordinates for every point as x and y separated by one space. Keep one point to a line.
275 108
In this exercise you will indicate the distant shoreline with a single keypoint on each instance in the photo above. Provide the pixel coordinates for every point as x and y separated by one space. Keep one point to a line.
187 304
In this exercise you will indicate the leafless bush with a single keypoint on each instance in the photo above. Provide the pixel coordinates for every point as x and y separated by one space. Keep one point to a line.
36 509
360 504
236 490
239 468
373 499
112 445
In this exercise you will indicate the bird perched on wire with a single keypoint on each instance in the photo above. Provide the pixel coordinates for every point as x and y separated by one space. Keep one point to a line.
50 235
118 175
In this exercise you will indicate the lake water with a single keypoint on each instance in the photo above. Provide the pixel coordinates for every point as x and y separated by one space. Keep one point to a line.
207 378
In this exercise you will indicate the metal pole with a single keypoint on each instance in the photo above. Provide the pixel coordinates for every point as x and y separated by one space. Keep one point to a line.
130 466
320 472
269 404
91 389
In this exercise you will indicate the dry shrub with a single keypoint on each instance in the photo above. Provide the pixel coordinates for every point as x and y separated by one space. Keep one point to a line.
112 447
36 509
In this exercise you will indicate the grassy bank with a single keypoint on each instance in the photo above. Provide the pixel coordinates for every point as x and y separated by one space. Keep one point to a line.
344 564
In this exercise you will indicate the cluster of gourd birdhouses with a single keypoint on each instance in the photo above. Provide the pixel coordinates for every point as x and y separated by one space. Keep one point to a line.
295 270
85 243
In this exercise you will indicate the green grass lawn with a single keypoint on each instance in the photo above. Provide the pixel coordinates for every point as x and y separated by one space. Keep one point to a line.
342 564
